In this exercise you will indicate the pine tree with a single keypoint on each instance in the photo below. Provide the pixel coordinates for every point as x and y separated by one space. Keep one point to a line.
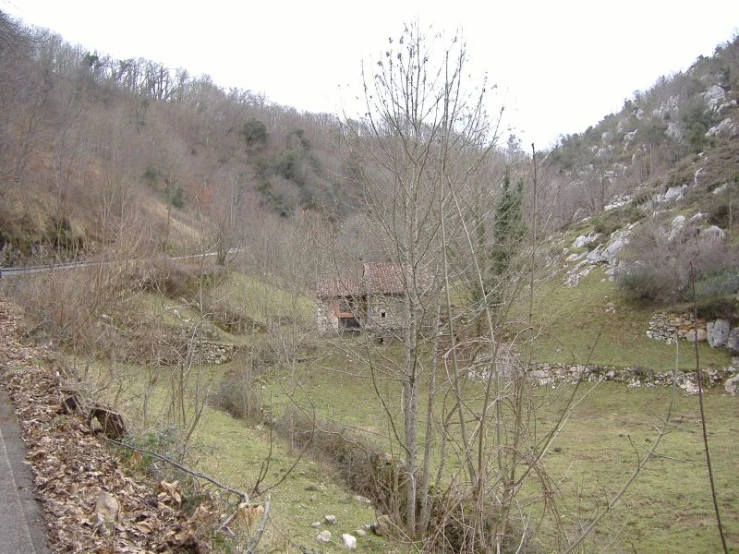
508 230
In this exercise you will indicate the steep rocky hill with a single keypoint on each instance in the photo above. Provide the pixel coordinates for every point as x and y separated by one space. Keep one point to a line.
681 132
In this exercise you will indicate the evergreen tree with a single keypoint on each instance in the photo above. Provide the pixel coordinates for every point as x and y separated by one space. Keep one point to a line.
508 229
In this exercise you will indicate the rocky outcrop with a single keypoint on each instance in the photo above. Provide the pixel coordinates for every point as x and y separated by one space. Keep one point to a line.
728 128
714 96
732 342
732 385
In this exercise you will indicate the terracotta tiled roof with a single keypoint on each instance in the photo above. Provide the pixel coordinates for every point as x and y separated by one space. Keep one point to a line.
377 278
339 288
384 278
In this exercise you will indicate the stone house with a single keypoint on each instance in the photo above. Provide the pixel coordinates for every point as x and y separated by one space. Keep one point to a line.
372 302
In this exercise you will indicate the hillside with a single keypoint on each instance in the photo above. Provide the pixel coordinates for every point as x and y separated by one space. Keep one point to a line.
99 153
479 300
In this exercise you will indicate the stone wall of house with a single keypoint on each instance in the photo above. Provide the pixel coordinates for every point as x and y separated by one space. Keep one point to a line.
326 318
392 321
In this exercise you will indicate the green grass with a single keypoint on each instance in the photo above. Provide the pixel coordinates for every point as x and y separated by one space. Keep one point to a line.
593 316
667 509
260 302
234 453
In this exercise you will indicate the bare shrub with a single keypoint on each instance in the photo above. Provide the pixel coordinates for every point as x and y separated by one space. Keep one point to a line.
357 460
659 262
239 394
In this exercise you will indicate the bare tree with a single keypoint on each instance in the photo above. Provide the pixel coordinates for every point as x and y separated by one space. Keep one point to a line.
425 134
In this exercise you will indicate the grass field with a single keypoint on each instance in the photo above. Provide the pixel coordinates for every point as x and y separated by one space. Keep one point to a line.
592 316
667 509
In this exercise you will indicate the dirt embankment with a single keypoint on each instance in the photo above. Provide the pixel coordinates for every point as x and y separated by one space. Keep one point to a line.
89 501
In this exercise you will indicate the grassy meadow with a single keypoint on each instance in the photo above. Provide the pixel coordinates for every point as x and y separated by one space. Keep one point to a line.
668 508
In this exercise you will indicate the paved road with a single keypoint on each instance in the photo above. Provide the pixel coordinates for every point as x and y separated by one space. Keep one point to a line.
25 270
22 529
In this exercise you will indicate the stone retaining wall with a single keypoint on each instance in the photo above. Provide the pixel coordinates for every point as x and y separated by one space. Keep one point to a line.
719 333
552 374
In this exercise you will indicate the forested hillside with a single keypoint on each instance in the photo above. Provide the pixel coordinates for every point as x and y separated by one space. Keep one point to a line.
98 152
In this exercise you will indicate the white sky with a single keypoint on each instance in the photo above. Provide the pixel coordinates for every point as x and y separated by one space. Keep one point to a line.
561 66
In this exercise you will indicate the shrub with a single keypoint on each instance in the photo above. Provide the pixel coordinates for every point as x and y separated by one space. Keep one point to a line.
254 133
716 285
719 215
661 266
178 198
239 394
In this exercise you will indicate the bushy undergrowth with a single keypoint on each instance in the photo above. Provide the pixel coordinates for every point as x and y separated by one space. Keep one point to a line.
239 394
347 453
662 264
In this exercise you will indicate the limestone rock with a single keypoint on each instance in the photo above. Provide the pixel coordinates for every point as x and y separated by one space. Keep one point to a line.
732 385
674 131
584 240
718 333
330 520
702 335
668 110
676 228
713 233
381 527
324 536
713 96
690 388
728 128
732 342
629 138
350 541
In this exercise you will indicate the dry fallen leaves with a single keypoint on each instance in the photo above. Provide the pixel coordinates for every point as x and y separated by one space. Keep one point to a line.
89 501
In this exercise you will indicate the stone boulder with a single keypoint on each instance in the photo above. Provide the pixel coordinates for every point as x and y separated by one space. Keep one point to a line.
702 335
584 240
728 128
713 96
713 233
676 228
629 138
350 541
718 333
732 385
732 341
382 526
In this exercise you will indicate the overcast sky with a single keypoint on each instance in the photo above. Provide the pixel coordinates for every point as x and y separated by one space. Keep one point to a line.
561 66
